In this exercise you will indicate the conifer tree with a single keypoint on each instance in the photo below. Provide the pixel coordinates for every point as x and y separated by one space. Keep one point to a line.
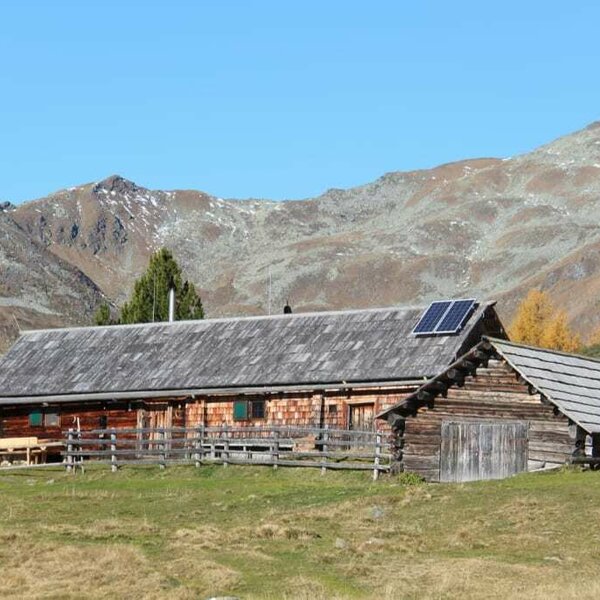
150 298
533 316
103 316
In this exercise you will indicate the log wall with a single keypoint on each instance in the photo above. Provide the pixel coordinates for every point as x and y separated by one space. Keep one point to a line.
308 409
494 394
14 420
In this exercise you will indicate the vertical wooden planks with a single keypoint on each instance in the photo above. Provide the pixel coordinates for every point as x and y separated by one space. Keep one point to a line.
472 451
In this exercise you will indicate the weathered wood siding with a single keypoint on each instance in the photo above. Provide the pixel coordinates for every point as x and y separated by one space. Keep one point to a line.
303 409
14 421
472 451
309 409
494 395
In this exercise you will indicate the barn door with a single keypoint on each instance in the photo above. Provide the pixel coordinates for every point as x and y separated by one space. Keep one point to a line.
361 417
488 450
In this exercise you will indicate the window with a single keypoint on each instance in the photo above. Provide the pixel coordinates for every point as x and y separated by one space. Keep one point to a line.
332 409
240 410
103 422
35 418
248 409
258 409
51 419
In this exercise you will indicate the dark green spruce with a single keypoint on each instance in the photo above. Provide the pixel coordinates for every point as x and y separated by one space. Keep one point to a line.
150 298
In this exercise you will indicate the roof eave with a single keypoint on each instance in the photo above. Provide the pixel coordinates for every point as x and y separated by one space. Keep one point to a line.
192 392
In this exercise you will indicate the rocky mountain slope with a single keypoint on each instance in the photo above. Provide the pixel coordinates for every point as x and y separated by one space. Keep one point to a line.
37 288
490 228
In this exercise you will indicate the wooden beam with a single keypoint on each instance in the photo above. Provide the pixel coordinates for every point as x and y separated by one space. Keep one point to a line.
395 421
469 365
425 396
457 376
482 357
486 346
440 387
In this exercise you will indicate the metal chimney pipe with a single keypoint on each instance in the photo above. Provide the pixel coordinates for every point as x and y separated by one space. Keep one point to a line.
171 305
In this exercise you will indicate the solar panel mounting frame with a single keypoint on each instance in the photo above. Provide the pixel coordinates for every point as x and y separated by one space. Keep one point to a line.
433 329
426 316
466 306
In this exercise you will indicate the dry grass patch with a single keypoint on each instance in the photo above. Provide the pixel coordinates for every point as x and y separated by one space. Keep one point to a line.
33 570
474 578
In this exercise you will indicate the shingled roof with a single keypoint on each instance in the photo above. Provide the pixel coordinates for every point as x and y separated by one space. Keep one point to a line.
215 354
569 381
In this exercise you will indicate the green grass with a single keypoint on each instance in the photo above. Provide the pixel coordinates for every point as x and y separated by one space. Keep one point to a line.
257 533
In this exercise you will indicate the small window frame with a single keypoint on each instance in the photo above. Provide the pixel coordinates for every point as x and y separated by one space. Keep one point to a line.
258 409
51 419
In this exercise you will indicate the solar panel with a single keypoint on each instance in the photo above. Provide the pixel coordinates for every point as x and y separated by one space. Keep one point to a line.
456 316
431 317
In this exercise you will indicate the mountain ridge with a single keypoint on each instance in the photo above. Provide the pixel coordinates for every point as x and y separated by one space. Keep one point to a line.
488 227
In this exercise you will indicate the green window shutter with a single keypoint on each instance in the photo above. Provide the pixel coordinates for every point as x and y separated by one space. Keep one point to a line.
240 410
35 418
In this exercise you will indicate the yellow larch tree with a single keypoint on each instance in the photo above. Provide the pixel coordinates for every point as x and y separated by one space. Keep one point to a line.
538 324
532 318
558 336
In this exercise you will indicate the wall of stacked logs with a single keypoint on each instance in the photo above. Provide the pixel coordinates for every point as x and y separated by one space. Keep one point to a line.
481 388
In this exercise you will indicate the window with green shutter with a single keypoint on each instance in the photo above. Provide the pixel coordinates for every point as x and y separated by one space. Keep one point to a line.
240 410
35 418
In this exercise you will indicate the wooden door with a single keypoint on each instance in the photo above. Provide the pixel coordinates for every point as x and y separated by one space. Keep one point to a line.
152 417
362 417
472 451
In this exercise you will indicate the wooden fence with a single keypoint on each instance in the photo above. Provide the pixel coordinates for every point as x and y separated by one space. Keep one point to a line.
266 446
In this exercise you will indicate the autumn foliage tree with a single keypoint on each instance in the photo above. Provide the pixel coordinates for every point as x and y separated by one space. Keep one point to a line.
537 323
558 336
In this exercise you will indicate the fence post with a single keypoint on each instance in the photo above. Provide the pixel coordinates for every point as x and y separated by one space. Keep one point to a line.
198 446
324 451
378 441
226 448
162 454
275 452
113 451
70 451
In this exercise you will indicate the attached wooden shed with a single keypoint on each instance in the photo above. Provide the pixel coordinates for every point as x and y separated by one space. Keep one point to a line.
500 409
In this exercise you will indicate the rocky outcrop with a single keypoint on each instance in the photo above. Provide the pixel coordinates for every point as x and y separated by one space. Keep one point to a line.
489 227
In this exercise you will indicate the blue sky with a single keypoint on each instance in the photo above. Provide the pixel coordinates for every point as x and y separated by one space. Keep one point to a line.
282 99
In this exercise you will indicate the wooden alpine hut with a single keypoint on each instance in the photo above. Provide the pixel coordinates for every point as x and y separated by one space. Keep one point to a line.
500 409
335 369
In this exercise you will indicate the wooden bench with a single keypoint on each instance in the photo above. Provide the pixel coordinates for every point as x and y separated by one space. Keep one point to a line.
28 447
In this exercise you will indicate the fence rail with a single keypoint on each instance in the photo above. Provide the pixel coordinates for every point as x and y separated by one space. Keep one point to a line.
266 446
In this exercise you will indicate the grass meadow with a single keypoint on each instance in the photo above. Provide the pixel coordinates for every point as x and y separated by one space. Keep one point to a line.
253 532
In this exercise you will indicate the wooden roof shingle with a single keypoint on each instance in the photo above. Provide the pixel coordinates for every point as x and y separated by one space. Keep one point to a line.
283 350
570 381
